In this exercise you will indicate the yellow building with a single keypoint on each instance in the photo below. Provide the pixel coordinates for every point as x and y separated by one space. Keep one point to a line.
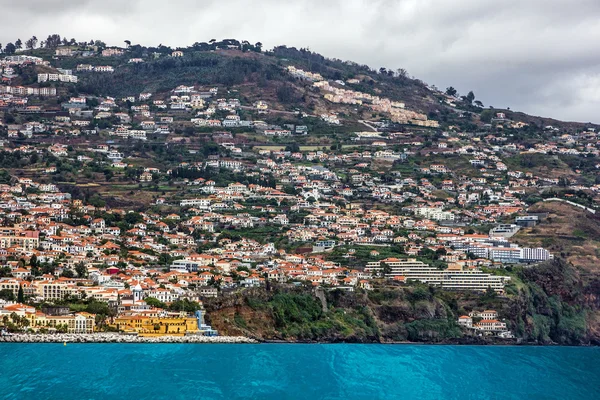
82 322
156 326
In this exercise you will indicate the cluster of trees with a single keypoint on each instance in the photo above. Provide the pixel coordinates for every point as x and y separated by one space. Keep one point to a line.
39 269
468 99
338 69
166 73
213 44
222 176
51 42
8 295
55 40
178 305
81 271
15 322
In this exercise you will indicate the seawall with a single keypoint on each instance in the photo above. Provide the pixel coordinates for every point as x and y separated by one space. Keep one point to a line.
117 338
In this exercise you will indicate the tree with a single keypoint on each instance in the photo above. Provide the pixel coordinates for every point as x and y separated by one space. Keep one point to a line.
470 97
293 147
165 259
285 94
563 182
386 269
20 295
7 294
18 44
48 268
128 43
35 266
68 273
10 48
0 47
53 41
450 91
154 302
489 295
133 218
184 305
81 270
486 116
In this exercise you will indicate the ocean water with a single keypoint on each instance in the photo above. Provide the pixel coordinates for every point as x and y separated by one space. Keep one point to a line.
296 371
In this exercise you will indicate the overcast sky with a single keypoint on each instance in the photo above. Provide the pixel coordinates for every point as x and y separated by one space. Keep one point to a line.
537 56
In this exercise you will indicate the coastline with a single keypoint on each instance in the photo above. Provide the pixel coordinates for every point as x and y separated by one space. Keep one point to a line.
108 338
117 338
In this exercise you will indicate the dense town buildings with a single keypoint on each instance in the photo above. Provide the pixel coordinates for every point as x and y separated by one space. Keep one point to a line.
228 200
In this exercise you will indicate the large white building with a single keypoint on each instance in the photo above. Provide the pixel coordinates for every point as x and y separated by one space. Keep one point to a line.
436 214
537 254
201 203
57 77
451 278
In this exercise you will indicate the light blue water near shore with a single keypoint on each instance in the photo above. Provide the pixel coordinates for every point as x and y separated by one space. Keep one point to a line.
282 371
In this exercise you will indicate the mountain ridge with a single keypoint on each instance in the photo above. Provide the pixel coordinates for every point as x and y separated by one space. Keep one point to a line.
231 63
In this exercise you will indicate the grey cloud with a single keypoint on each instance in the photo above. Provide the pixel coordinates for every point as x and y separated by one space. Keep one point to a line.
539 56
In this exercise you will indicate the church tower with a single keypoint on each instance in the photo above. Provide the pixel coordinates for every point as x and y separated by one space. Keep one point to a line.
137 293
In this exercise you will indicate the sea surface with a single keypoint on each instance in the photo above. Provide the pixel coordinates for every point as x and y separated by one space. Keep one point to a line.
296 371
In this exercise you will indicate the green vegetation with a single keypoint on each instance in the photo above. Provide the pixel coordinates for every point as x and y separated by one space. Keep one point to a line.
7 294
544 304
554 304
301 316
362 254
178 305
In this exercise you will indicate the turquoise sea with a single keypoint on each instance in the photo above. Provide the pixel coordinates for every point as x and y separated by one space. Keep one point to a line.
296 371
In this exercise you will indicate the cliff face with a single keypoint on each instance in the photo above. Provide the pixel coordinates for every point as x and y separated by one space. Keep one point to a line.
552 304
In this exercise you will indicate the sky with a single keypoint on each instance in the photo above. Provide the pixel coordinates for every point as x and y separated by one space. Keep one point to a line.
536 56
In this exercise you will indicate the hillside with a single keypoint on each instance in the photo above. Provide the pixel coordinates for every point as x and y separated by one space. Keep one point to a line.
569 232
260 74
548 303
318 174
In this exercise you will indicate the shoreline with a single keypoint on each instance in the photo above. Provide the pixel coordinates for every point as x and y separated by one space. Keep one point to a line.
117 338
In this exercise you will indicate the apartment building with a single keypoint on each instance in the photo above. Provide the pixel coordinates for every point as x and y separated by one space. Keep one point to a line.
27 240
436 214
453 278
